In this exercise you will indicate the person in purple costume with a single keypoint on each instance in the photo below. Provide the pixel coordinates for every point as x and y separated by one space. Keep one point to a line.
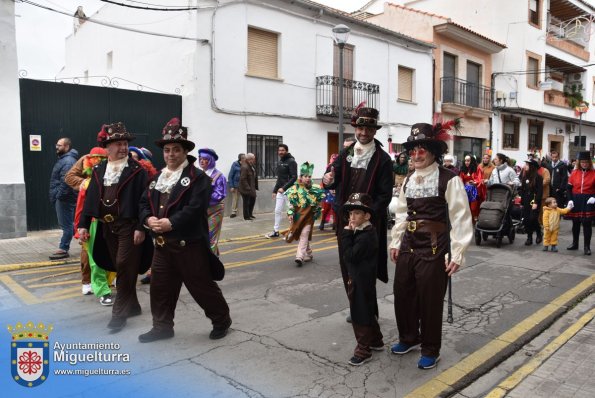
207 159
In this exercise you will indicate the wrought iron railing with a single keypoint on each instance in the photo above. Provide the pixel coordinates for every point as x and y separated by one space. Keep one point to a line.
354 92
462 92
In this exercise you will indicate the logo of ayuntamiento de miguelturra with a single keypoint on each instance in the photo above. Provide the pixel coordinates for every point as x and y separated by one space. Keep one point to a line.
30 353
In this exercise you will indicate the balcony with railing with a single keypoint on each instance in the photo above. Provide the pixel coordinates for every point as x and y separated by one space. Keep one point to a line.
354 92
462 96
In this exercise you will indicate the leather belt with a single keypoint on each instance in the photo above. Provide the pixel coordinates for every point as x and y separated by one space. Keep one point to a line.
162 241
427 226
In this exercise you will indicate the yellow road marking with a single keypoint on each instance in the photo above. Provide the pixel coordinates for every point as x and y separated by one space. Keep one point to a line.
40 278
62 297
48 284
515 379
38 271
238 249
20 266
271 258
447 379
20 291
61 292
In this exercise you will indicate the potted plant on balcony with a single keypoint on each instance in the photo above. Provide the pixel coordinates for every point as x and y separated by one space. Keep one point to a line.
573 95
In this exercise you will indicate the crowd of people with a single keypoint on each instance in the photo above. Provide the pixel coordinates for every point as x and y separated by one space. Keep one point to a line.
131 218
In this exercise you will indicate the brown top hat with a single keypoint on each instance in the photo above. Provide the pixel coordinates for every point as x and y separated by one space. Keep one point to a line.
584 155
359 201
365 117
435 135
113 132
175 133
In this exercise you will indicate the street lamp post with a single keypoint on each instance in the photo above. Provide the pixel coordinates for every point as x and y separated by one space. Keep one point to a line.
340 34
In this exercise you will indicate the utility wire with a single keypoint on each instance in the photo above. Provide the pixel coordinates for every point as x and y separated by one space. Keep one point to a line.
87 19
150 8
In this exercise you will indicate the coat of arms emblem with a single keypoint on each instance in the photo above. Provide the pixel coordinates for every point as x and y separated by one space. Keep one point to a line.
30 353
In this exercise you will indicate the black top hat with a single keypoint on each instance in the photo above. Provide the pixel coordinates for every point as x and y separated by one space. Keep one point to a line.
428 135
365 117
113 132
359 201
175 133
532 162
584 155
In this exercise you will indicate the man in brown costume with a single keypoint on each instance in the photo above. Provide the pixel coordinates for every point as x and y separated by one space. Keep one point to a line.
174 209
363 167
113 195
421 241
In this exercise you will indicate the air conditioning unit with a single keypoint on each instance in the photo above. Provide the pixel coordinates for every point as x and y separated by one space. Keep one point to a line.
570 128
500 95
574 78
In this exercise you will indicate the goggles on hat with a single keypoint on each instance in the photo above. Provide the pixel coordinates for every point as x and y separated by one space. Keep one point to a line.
176 136
420 136
362 120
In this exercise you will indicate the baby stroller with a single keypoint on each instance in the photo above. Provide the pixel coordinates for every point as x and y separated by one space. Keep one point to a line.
494 216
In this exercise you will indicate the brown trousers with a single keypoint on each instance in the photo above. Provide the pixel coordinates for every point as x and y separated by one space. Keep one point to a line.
419 288
173 265
126 256
85 267
366 336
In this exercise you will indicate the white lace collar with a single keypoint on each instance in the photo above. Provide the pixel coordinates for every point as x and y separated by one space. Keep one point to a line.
363 226
169 178
362 153
423 183
114 170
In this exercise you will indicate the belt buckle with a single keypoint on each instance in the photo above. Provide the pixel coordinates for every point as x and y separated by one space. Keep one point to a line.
160 240
108 218
411 226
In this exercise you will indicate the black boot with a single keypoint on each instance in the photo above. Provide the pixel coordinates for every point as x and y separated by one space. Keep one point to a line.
321 227
539 237
587 251
573 246
529 240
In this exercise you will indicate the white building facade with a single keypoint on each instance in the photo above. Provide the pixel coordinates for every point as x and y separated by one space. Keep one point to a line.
549 51
13 209
260 73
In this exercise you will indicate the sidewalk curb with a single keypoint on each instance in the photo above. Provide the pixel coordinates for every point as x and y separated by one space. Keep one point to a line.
480 362
39 264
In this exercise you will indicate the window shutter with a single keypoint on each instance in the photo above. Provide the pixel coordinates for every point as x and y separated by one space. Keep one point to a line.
262 53
405 84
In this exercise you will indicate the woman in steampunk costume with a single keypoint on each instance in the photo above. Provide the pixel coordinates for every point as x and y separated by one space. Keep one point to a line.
431 199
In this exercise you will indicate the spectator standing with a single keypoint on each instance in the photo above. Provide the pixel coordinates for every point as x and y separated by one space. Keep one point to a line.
62 196
363 167
233 178
207 159
486 168
286 177
328 202
448 162
503 173
472 178
581 192
559 178
531 196
551 223
248 186
401 169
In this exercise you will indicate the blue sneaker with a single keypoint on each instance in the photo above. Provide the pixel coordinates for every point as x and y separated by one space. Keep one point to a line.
428 362
402 348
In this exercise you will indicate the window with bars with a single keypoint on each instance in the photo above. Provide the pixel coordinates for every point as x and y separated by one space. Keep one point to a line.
535 135
263 57
405 84
264 147
510 133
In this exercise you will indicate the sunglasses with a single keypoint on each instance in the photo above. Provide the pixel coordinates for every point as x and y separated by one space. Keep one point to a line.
418 151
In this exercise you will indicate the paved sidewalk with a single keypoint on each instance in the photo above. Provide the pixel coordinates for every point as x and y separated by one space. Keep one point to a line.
33 250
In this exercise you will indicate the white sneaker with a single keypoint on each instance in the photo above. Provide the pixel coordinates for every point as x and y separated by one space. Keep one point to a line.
87 289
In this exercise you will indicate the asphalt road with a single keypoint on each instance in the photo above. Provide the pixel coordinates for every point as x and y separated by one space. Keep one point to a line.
289 336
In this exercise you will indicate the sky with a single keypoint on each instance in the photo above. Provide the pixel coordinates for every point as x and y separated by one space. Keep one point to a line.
41 34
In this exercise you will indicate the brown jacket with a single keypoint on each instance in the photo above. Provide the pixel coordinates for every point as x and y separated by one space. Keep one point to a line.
247 180
75 177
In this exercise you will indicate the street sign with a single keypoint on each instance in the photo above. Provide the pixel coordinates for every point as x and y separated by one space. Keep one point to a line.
582 107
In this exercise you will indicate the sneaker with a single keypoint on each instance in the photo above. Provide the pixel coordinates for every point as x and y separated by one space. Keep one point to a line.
58 255
348 319
87 289
299 262
219 332
108 299
428 362
546 248
308 259
377 348
357 361
274 234
156 334
402 348
554 249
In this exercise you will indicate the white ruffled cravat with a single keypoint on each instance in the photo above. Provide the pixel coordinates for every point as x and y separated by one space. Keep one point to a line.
113 171
169 178
362 154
